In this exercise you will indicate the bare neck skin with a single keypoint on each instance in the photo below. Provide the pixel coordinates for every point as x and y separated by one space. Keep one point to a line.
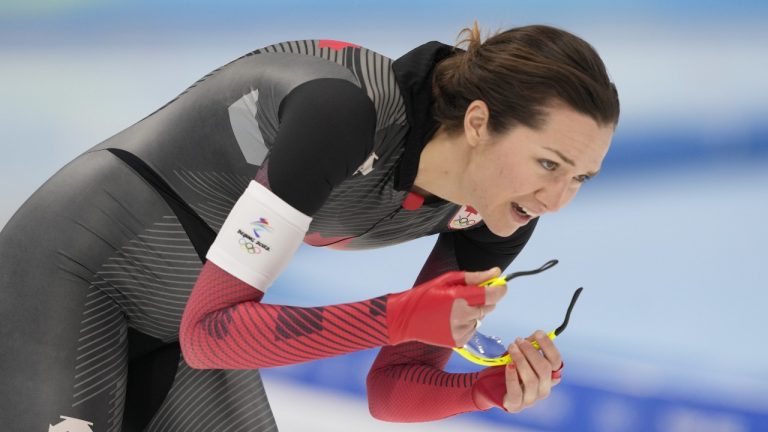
441 166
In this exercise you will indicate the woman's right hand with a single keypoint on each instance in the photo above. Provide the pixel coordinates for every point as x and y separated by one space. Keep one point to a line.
443 311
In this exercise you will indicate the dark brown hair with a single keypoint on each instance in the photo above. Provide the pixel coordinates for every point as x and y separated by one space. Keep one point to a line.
518 73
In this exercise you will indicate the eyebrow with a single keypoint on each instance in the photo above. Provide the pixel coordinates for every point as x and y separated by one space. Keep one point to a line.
570 162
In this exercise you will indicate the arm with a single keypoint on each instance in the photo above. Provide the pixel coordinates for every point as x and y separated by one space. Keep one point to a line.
225 325
326 131
407 382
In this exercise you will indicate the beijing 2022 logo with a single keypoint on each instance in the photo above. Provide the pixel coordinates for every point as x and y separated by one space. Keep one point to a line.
250 243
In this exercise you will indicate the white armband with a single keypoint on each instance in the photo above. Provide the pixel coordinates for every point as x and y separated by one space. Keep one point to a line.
259 237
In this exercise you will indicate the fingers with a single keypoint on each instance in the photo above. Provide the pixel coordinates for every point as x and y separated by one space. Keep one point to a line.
529 381
557 375
494 294
533 371
548 349
513 399
478 296
476 278
461 312
540 367
450 278
483 311
472 303
463 333
465 320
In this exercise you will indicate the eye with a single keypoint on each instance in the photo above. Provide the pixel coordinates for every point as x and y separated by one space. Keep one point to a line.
582 178
548 164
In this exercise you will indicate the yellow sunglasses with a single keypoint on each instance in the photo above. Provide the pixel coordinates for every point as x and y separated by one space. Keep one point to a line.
491 350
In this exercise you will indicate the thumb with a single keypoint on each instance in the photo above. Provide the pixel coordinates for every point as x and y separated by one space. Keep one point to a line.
478 277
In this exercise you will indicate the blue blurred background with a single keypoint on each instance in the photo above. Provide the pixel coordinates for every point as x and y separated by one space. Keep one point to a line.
669 241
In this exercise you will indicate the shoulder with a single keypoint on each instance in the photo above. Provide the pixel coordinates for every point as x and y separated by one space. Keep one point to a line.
371 71
326 130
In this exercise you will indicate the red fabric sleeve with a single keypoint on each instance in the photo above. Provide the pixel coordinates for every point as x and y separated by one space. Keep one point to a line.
226 327
407 382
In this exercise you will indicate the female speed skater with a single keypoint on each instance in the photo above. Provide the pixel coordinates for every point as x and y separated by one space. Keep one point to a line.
132 280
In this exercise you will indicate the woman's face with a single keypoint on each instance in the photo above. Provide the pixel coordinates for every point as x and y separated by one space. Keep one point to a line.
524 173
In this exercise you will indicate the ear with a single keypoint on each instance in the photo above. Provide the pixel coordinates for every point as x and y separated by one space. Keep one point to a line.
476 122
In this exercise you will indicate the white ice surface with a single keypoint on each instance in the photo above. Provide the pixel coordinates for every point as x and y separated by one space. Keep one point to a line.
300 408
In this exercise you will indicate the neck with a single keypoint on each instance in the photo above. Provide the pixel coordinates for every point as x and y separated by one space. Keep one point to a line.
441 165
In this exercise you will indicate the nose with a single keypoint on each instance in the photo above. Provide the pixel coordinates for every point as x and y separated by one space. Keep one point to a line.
555 195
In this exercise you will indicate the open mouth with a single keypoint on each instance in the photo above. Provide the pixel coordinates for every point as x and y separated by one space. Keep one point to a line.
522 211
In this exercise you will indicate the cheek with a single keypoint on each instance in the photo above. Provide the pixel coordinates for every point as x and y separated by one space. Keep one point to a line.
515 182
487 180
570 195
502 187
498 179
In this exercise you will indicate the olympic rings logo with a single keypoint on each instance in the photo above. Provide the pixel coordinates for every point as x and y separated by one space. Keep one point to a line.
249 246
464 221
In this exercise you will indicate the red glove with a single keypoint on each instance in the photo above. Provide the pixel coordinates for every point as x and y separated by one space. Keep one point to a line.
423 313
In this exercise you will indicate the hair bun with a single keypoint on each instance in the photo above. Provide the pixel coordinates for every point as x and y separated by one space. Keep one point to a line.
517 73
472 40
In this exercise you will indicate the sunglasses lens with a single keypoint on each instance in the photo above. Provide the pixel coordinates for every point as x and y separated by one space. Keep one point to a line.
486 346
